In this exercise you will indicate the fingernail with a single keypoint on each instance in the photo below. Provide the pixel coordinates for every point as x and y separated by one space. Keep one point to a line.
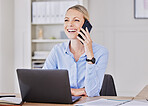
86 28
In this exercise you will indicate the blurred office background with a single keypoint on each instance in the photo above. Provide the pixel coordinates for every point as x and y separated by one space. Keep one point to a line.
114 27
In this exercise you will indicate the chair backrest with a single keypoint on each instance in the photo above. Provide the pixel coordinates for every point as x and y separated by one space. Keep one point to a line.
108 86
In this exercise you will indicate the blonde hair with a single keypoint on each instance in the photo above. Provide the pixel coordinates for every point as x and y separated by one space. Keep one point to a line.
81 9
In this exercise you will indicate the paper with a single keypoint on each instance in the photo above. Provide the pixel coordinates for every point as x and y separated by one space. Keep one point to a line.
103 102
11 100
136 103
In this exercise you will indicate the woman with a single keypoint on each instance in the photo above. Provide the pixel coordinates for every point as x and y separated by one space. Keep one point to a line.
86 77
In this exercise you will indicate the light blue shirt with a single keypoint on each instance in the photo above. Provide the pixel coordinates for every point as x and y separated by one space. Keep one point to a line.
81 74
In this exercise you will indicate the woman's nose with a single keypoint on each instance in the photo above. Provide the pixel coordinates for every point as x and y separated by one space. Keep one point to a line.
70 23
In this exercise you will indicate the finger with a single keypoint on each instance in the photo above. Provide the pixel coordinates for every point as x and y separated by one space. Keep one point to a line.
83 36
80 39
87 30
83 31
88 34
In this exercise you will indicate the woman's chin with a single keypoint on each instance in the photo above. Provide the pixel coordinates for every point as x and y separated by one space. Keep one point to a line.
72 37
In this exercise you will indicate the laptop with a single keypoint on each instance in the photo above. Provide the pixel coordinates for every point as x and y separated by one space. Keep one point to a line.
45 86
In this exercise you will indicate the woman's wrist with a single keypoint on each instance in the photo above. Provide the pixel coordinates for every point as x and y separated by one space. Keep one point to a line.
90 56
78 92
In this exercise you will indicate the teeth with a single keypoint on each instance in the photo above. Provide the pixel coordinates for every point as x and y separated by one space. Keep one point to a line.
71 30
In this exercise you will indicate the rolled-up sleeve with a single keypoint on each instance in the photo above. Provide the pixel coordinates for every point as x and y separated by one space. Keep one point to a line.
95 73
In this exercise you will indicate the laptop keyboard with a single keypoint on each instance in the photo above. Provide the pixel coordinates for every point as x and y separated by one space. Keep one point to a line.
75 98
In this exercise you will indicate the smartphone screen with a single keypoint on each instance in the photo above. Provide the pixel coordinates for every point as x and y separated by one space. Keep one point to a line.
86 24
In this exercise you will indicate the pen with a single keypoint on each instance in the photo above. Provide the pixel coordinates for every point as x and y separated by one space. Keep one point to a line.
1 96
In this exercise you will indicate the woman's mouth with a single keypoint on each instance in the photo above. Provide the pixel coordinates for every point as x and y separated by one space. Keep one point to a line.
71 30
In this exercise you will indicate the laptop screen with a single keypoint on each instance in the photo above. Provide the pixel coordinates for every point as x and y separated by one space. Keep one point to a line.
42 85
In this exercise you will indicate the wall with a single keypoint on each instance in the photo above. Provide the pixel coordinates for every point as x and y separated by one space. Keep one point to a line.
0 45
126 38
22 38
6 46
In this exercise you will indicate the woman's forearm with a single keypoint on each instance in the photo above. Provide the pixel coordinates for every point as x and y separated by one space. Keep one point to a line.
78 92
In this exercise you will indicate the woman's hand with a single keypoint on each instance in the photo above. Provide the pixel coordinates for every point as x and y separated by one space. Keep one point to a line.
78 92
87 43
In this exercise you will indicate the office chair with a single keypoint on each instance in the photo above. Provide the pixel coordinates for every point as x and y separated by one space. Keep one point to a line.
108 86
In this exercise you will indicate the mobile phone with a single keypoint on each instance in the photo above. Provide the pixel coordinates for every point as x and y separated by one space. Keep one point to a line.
88 25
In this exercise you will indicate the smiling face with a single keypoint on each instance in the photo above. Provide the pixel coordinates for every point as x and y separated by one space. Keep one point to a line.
73 22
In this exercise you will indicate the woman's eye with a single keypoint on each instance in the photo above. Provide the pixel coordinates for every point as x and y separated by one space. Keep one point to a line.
77 20
65 20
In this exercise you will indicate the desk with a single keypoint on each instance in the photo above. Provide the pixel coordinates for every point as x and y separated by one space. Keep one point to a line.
142 95
82 100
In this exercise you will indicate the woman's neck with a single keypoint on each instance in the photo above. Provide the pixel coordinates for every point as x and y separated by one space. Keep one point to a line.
76 46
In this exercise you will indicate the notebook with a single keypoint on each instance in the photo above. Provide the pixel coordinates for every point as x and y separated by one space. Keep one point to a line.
45 86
